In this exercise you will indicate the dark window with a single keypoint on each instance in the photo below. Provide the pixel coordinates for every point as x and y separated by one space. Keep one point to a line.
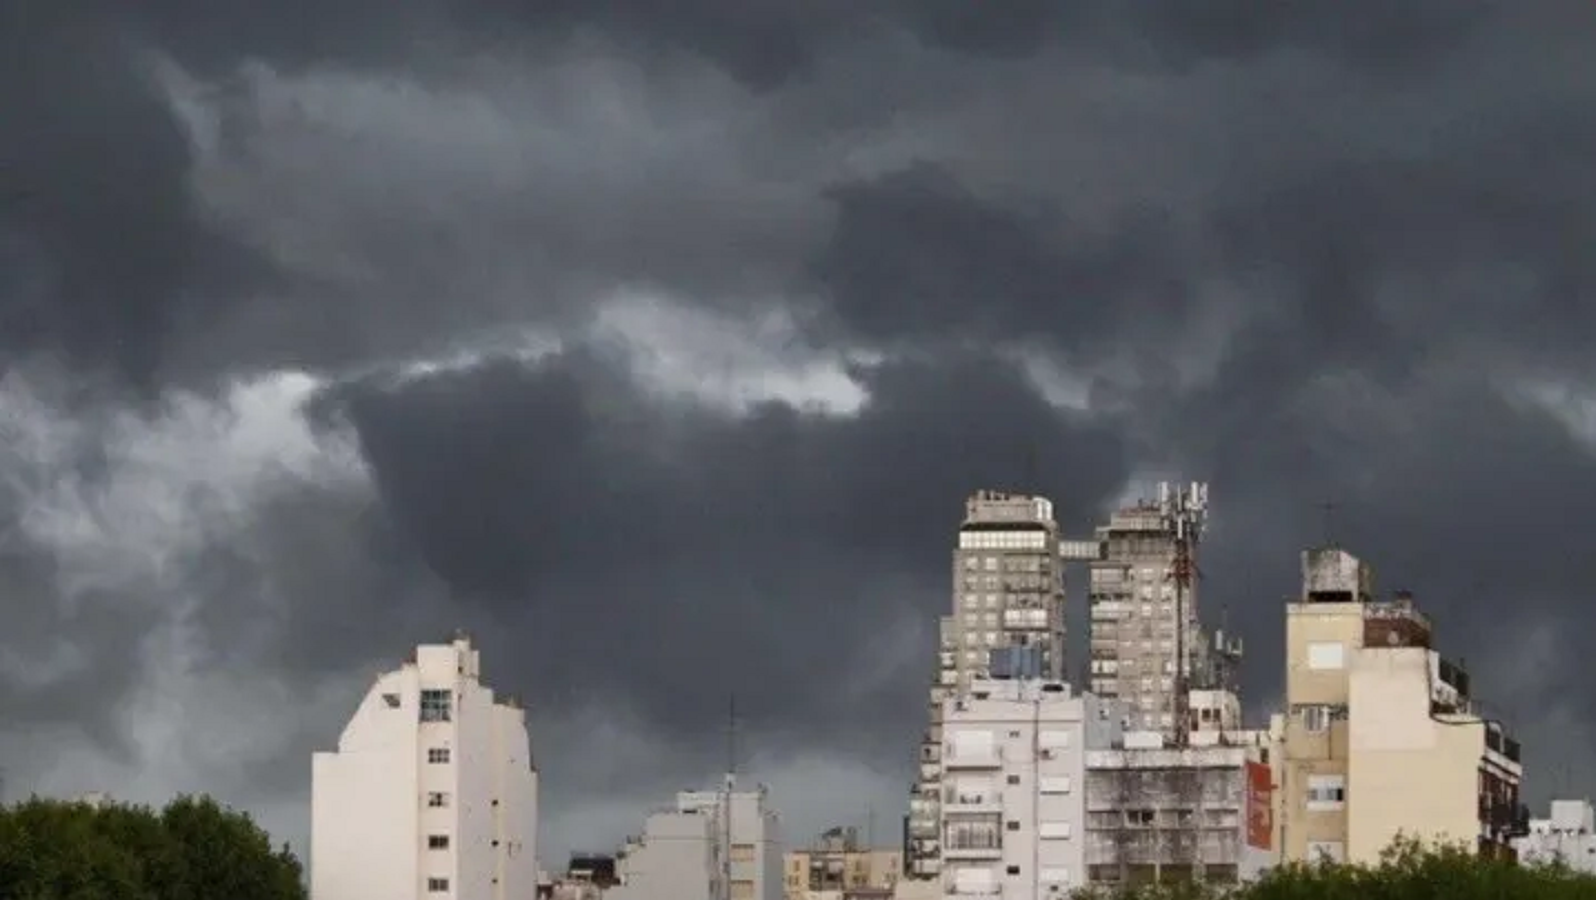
437 754
392 700
1014 779
435 706
437 885
1014 870
1013 825
437 799
437 842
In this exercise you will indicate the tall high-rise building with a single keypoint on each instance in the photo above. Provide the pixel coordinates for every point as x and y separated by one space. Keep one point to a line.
1007 592
1147 644
431 794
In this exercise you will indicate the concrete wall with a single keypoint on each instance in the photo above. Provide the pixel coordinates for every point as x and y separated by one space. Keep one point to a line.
1407 772
674 860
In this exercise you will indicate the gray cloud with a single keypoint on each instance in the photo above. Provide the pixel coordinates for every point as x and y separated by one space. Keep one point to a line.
660 350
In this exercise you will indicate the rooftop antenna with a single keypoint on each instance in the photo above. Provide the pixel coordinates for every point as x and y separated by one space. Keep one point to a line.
1328 507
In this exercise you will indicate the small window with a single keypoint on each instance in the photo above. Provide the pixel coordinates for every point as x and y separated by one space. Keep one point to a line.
392 700
437 800
435 706
437 842
437 885
1014 779
1323 655
437 754
1013 825
1014 870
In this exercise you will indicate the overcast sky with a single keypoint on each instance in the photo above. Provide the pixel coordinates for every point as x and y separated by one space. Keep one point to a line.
658 344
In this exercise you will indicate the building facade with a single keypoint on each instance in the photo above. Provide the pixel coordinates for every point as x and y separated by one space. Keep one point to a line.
1157 813
1007 592
1380 734
432 793
838 867
1011 815
687 853
1567 836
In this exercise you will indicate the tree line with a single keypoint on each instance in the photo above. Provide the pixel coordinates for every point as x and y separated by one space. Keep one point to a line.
193 849
1408 870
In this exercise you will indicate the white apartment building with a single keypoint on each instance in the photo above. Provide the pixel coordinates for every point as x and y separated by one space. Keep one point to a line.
1011 814
1568 836
432 792
683 852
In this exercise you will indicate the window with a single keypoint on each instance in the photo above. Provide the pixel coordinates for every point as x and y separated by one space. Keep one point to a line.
1013 825
1014 779
1054 830
437 800
1013 870
1056 740
435 706
1326 792
437 754
437 885
392 700
1055 784
1323 655
437 842
1315 718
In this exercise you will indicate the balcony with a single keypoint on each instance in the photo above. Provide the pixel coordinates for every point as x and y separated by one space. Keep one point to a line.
972 850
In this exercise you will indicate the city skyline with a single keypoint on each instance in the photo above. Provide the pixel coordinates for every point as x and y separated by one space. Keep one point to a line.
660 353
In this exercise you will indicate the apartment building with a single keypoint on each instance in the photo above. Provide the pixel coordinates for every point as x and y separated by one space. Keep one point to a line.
1147 644
1007 591
1011 813
1380 734
687 852
1566 836
432 792
836 866
1157 812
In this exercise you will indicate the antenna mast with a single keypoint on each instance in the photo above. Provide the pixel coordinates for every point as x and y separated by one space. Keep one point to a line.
1185 514
726 800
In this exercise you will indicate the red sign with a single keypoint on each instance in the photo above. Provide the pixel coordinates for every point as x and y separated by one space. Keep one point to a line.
1260 813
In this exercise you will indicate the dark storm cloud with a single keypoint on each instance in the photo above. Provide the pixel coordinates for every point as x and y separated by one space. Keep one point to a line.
98 246
667 554
1380 211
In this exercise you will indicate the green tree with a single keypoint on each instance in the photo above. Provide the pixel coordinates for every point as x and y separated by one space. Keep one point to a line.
194 849
1407 870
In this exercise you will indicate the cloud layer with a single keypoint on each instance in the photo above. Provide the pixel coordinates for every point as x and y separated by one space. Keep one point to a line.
660 350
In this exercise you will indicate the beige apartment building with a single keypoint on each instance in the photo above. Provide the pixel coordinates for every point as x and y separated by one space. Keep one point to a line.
1380 735
838 867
